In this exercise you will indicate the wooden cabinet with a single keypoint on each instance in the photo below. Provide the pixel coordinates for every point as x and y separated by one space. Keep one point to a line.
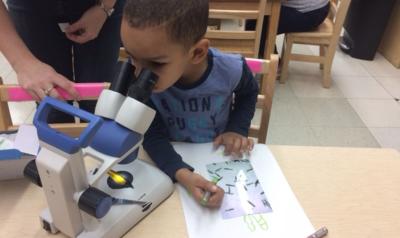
390 44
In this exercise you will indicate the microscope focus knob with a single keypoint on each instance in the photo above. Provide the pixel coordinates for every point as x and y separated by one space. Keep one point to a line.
31 172
95 202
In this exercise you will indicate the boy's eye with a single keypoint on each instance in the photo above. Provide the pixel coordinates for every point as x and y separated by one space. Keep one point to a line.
157 64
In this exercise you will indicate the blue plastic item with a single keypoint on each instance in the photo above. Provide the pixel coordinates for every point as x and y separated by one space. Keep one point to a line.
10 154
113 139
58 139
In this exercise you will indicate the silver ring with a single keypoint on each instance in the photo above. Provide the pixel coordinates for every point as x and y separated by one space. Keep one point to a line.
47 91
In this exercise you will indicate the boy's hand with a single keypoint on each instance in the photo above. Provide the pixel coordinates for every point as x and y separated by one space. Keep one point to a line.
197 185
234 143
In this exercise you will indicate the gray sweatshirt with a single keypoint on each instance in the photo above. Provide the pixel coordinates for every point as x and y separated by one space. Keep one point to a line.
304 5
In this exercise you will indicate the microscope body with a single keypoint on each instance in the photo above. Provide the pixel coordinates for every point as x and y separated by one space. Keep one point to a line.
87 203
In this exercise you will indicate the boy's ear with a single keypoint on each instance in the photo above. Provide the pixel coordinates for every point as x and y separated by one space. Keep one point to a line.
199 51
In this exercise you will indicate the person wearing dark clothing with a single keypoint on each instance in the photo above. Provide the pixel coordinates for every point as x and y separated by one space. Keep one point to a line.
45 55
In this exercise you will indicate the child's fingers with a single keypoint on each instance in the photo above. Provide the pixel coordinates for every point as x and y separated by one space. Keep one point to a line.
204 189
228 148
211 187
237 147
216 198
247 145
198 194
217 141
244 146
250 144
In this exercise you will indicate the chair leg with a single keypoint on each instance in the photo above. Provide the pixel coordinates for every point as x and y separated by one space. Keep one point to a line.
321 53
286 49
329 54
5 117
326 79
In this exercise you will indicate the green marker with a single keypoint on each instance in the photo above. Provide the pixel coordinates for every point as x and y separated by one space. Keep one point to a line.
207 194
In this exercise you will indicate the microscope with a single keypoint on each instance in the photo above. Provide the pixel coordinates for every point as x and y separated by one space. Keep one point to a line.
120 190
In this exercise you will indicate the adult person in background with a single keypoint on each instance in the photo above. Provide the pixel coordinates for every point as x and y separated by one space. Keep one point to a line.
46 54
296 16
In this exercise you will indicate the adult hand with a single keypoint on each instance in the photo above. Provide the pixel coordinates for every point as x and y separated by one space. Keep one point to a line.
234 143
40 80
197 185
88 27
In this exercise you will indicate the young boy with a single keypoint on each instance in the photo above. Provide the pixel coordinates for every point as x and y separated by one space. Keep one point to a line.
201 96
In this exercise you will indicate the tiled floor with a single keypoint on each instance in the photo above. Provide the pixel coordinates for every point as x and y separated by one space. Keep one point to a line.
359 110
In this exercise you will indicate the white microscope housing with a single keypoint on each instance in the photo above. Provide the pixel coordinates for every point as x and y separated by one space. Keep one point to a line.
120 190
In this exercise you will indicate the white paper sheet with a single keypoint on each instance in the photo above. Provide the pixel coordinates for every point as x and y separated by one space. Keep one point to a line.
6 143
27 140
287 220
243 193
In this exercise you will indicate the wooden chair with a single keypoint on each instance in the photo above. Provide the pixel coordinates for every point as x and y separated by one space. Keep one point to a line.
242 42
326 36
15 93
267 68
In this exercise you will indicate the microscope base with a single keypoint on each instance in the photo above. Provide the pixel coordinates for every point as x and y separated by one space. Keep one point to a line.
149 184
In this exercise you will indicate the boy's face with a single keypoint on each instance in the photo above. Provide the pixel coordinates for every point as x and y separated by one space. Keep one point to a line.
150 48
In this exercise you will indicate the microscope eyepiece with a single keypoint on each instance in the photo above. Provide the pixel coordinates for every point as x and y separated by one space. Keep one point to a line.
126 83
142 88
125 74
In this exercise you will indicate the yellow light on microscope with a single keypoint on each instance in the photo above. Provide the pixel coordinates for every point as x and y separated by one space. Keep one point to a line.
117 178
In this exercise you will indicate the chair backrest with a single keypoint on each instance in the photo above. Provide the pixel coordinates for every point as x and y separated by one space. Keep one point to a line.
337 13
238 41
268 70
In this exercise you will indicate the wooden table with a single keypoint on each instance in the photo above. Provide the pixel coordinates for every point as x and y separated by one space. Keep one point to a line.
272 10
354 192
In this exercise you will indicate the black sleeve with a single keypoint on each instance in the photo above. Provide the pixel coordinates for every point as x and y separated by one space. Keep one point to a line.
244 104
156 143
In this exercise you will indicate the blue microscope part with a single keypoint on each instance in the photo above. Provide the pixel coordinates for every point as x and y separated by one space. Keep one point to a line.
103 207
10 154
62 141
114 140
131 157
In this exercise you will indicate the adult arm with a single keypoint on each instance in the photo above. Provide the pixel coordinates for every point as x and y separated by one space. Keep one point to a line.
32 74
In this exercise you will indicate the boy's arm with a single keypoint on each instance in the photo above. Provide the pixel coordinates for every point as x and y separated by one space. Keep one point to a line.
157 145
244 104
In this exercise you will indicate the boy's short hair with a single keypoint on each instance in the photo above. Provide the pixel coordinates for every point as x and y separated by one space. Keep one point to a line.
185 20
